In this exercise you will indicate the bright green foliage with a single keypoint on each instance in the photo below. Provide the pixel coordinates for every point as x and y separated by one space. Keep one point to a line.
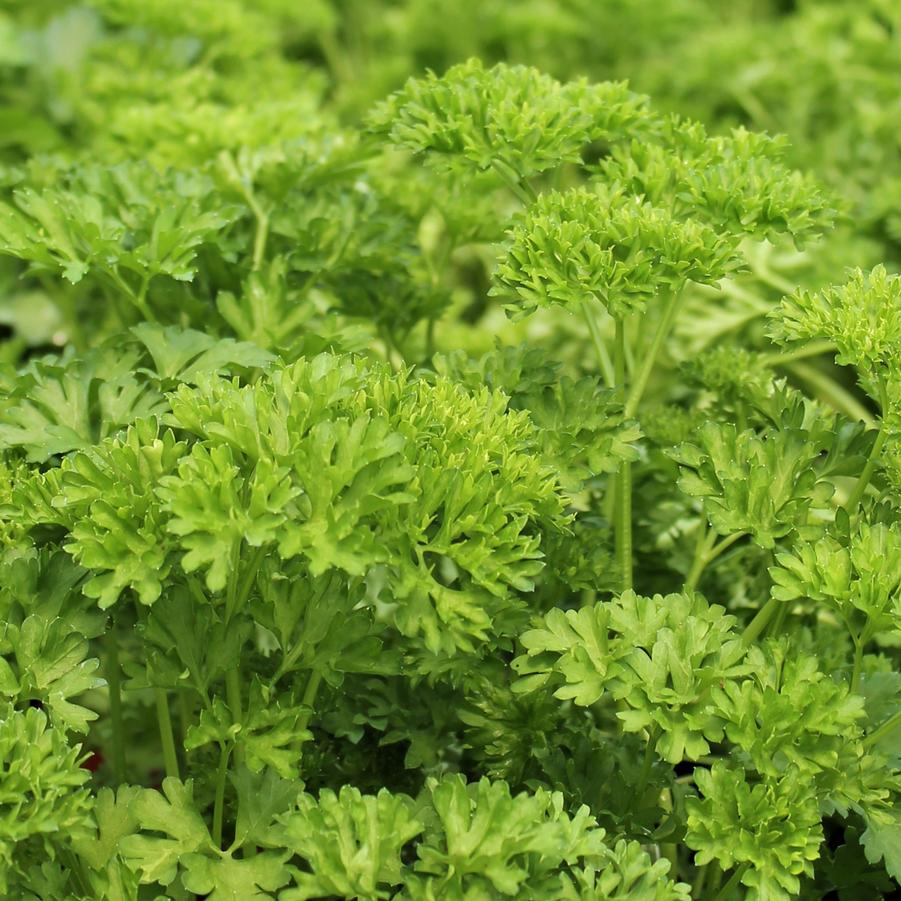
858 576
609 245
352 843
627 873
327 491
352 586
70 231
581 428
171 813
119 538
43 798
99 847
512 117
762 484
739 181
660 656
861 317
809 716
485 842
56 406
773 826
269 736
50 666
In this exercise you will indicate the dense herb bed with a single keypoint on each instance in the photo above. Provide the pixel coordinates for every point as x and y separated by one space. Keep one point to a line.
488 491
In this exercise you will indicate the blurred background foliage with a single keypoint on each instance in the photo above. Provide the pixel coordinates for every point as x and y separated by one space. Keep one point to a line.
252 110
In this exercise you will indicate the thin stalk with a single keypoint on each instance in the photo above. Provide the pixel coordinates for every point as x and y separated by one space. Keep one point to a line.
892 723
260 237
647 762
669 823
308 699
75 866
647 364
185 715
741 414
523 190
869 468
233 698
233 693
113 681
137 298
631 342
773 279
430 339
245 586
623 516
605 364
776 623
754 628
625 523
219 802
811 349
831 392
390 347
703 546
170 758
335 58
858 663
262 218
698 885
141 297
733 882
725 544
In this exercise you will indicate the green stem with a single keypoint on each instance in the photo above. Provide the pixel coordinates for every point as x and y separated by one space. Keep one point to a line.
170 758
261 236
309 698
811 349
869 468
733 882
390 347
233 698
773 279
141 298
754 628
246 190
522 189
888 726
600 349
623 521
741 414
219 802
186 703
233 693
700 879
336 58
776 623
430 339
250 573
75 866
647 364
831 392
703 547
647 762
113 681
858 663
724 545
